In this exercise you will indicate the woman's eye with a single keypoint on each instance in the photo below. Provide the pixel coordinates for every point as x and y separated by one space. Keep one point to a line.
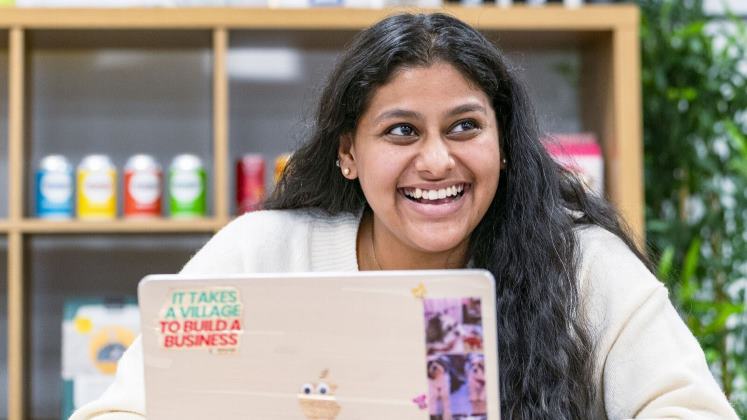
463 126
402 130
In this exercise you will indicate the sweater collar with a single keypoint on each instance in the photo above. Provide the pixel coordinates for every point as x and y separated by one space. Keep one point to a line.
334 242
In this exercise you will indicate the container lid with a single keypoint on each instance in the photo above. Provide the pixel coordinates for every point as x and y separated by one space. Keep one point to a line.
96 162
252 159
56 163
142 162
186 162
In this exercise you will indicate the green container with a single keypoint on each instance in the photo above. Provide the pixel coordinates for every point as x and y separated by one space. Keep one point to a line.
187 185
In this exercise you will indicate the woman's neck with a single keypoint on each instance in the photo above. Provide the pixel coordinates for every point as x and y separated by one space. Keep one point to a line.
377 249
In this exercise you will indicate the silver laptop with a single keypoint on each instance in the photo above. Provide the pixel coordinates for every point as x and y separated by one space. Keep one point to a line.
368 345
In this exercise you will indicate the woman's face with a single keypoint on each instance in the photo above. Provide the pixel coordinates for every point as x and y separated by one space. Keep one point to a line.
427 155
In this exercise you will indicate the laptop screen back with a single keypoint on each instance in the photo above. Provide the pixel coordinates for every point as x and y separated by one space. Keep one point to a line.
370 345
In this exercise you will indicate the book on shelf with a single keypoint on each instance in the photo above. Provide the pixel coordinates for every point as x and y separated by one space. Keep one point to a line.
95 334
581 154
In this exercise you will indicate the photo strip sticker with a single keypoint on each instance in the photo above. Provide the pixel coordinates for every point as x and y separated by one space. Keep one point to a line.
455 358
207 318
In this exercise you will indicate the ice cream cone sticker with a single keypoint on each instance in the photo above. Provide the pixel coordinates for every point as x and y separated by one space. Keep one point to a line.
318 401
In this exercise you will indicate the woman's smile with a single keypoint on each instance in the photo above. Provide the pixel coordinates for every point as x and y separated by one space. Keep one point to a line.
434 201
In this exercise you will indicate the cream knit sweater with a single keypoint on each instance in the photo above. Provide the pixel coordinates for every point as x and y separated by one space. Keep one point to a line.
648 364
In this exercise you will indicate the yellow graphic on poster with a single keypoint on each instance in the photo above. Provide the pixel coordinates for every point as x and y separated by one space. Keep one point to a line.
107 346
82 324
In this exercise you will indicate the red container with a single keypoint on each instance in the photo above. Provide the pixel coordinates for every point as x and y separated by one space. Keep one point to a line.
142 187
250 183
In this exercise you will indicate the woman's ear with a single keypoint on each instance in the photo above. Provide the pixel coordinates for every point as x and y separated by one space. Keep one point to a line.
346 157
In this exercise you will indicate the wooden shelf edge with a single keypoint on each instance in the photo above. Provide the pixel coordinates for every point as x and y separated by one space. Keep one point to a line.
34 226
519 17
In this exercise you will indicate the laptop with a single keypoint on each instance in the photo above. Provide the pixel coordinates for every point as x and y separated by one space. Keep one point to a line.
321 346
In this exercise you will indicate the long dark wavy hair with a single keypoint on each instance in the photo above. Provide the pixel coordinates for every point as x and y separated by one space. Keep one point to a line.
526 239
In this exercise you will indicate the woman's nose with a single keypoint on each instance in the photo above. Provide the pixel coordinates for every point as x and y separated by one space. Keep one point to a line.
435 158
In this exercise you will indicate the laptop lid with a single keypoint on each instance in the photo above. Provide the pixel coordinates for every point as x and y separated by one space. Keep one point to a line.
367 345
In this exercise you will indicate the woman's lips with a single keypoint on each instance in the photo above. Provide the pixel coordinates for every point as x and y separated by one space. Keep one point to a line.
437 207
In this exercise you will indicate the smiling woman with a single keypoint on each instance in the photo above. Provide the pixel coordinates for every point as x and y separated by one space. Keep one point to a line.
425 154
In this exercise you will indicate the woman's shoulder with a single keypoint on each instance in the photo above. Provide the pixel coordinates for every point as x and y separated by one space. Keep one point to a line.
597 242
612 280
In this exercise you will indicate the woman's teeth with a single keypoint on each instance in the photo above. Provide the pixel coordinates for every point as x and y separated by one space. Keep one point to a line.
439 194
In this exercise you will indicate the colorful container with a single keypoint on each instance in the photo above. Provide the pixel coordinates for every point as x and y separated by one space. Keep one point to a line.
250 183
280 163
54 188
142 187
97 188
187 182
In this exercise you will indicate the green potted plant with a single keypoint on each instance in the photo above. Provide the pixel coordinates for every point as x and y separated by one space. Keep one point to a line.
695 120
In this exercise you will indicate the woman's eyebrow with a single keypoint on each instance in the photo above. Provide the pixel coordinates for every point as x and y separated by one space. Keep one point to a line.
399 113
463 109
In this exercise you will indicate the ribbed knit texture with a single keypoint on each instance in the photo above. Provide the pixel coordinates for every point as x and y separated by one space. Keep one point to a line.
334 243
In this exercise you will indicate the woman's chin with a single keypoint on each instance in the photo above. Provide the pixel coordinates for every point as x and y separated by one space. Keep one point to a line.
437 245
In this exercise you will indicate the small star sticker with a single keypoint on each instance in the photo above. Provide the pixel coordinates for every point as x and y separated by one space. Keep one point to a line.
419 292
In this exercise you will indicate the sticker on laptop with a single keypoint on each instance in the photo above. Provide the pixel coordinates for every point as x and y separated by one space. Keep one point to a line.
455 358
317 400
206 318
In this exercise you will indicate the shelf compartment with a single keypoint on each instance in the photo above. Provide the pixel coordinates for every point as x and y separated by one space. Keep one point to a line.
37 226
275 79
118 93
61 267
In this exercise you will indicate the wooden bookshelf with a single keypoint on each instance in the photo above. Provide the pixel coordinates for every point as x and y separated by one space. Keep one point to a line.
606 35
32 226
522 18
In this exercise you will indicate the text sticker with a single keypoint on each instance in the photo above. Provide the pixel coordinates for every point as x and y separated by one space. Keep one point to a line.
207 318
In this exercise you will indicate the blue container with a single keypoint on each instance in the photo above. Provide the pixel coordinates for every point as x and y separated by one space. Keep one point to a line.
55 188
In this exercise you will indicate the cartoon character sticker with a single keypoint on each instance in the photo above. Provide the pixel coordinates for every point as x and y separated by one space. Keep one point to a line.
317 400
